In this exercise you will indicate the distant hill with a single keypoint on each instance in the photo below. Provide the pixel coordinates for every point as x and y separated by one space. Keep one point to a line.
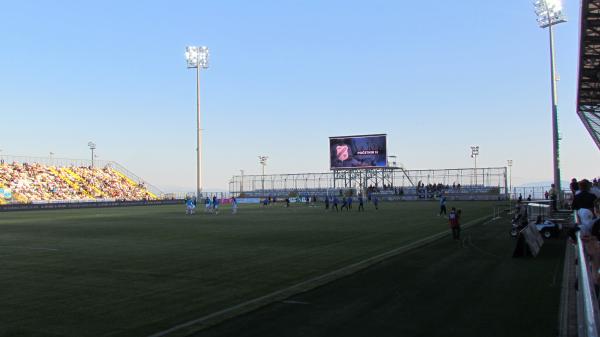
542 184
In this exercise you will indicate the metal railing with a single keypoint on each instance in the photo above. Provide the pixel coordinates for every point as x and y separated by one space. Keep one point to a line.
482 177
586 296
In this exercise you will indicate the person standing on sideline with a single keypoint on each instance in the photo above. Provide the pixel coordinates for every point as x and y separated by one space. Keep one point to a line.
335 203
349 202
375 202
287 202
458 220
234 205
361 204
442 205
454 226
326 202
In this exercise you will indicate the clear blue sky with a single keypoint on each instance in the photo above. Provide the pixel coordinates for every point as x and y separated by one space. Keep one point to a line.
436 76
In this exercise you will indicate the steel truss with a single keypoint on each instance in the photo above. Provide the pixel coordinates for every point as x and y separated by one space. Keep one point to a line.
588 93
360 179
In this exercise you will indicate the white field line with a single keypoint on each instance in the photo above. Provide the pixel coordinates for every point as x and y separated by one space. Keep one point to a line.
294 302
310 283
30 248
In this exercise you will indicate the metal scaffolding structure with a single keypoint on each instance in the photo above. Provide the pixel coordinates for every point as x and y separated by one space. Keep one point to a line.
360 179
588 89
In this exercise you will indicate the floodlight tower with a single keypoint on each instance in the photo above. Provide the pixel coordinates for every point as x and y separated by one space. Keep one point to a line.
510 164
550 13
242 182
92 147
263 161
474 154
197 57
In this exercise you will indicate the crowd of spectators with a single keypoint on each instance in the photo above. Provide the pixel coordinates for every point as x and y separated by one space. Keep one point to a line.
38 182
108 183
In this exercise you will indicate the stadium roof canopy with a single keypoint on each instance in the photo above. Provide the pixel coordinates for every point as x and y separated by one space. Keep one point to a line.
588 93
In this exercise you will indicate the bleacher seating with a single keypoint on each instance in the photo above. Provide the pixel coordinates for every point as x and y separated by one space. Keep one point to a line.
37 182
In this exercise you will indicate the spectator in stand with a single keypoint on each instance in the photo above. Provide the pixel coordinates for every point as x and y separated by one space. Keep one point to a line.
553 196
574 186
584 199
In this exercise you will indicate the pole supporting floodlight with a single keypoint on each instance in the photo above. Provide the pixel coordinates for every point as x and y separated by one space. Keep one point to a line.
197 57
550 13
263 162
510 164
92 147
474 154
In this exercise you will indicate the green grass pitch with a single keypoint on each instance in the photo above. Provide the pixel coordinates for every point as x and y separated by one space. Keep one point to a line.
139 270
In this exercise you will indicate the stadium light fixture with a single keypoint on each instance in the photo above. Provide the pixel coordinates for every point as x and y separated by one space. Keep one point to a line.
474 154
197 57
92 147
550 13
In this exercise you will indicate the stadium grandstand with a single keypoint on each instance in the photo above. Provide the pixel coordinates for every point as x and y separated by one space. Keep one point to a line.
47 180
588 95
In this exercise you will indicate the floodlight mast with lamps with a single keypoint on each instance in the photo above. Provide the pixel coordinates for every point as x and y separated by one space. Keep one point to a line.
474 154
92 147
197 57
263 162
550 13
510 164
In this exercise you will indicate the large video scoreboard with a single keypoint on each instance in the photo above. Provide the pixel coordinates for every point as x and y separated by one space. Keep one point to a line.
368 151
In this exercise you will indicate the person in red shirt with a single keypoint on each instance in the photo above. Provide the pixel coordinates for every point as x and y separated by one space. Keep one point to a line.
453 219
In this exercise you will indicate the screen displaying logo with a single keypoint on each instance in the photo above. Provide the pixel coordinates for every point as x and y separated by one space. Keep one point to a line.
358 151
342 152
